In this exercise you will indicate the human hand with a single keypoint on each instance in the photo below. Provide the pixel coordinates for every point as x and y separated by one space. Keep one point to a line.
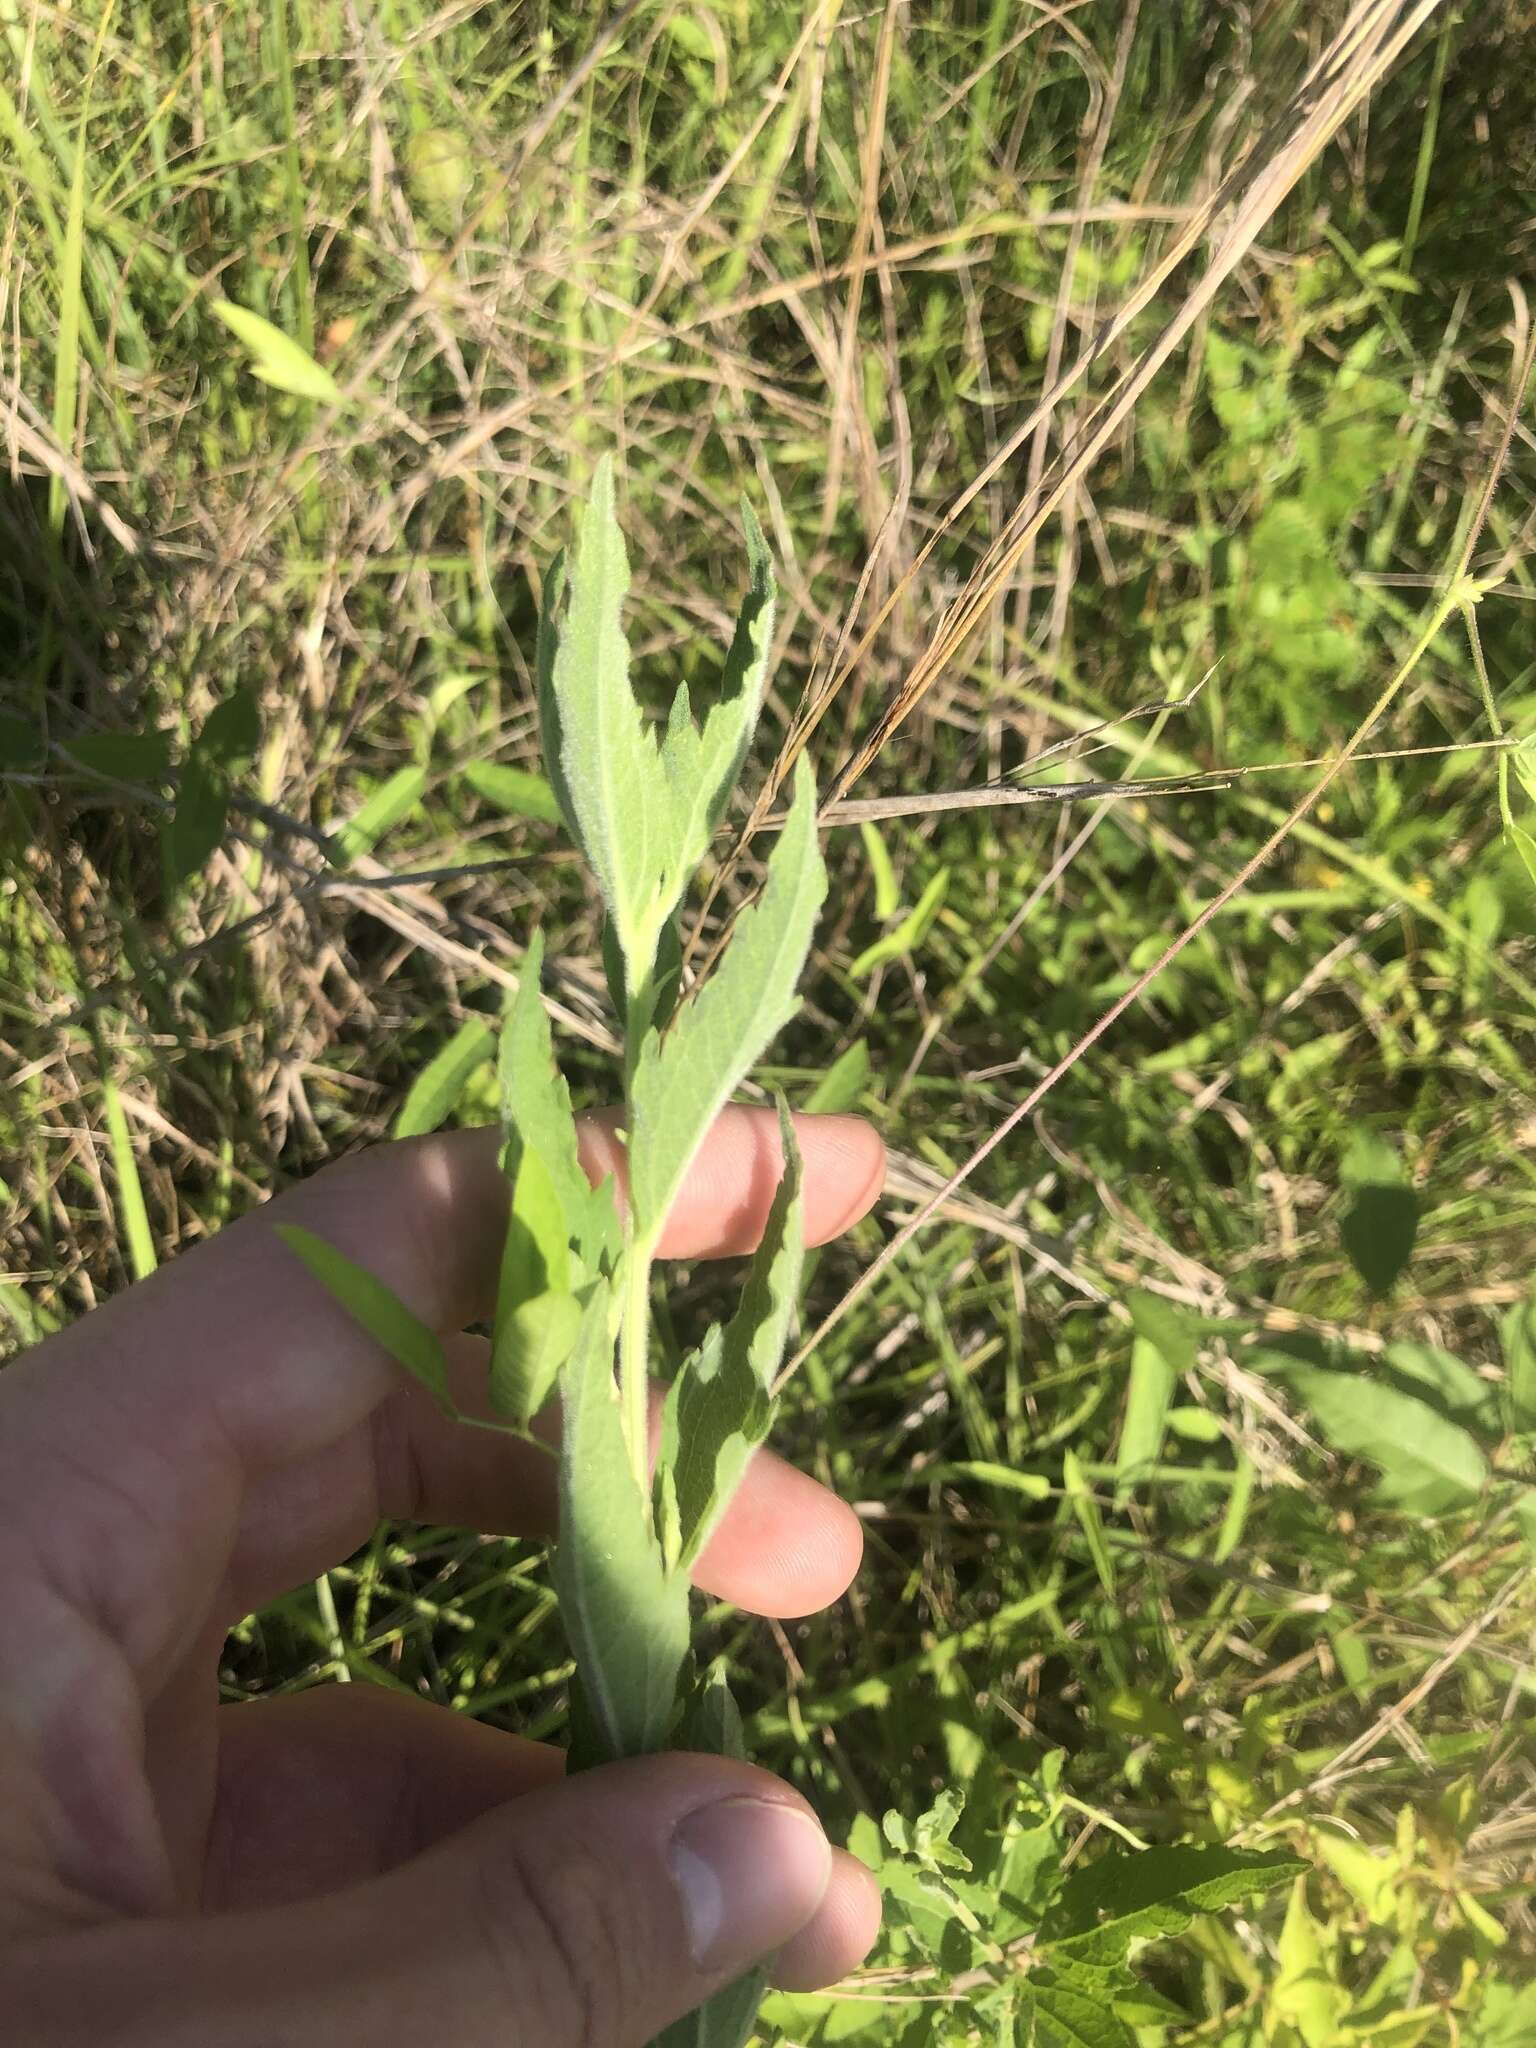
346 1865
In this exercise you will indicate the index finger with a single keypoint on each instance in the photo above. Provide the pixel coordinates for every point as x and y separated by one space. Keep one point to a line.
234 1348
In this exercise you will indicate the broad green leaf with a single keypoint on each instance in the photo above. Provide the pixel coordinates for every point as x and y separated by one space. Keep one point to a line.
276 358
232 730
1382 1219
382 1314
609 764
533 1340
1517 1332
1152 1381
1448 1383
1127 1896
841 1086
1064 2018
23 749
909 934
626 1618
196 825
1428 1464
684 1079
124 756
394 800
535 1101
1305 1993
438 1087
887 895
1166 1325
722 1404
514 789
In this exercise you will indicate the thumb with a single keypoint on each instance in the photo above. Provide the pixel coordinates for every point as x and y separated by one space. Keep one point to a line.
588 1914
594 1912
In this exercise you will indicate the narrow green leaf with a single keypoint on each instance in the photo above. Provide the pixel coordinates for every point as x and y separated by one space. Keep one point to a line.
887 895
608 760
844 1082
382 1314
1382 1219
723 1395
232 730
123 756
275 357
545 650
535 1101
1089 1520
702 767
388 805
438 1087
1033 1485
1152 1381
1517 1333
196 825
515 790
1428 1464
683 1080
625 1617
909 934
533 1340
1235 1519
536 1255
132 1213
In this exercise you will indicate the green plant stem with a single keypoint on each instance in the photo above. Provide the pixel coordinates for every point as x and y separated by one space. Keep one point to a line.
634 1354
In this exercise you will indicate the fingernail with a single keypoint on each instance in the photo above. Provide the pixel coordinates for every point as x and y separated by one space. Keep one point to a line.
749 1874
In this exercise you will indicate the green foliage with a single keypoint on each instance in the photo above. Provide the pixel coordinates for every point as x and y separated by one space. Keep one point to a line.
625 1614
435 1092
1381 1222
1269 518
276 358
370 1303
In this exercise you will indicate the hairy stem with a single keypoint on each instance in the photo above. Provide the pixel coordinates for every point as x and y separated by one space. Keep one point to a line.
634 1355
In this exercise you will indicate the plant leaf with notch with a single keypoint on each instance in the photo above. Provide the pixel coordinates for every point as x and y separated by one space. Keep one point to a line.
438 1087
722 1403
535 1101
626 1618
609 765
1128 1896
372 1305
683 1080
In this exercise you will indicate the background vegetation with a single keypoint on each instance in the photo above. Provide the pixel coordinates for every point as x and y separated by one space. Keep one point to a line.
1197 1510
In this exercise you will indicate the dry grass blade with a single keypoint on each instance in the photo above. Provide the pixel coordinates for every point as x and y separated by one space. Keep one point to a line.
1369 43
1454 596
